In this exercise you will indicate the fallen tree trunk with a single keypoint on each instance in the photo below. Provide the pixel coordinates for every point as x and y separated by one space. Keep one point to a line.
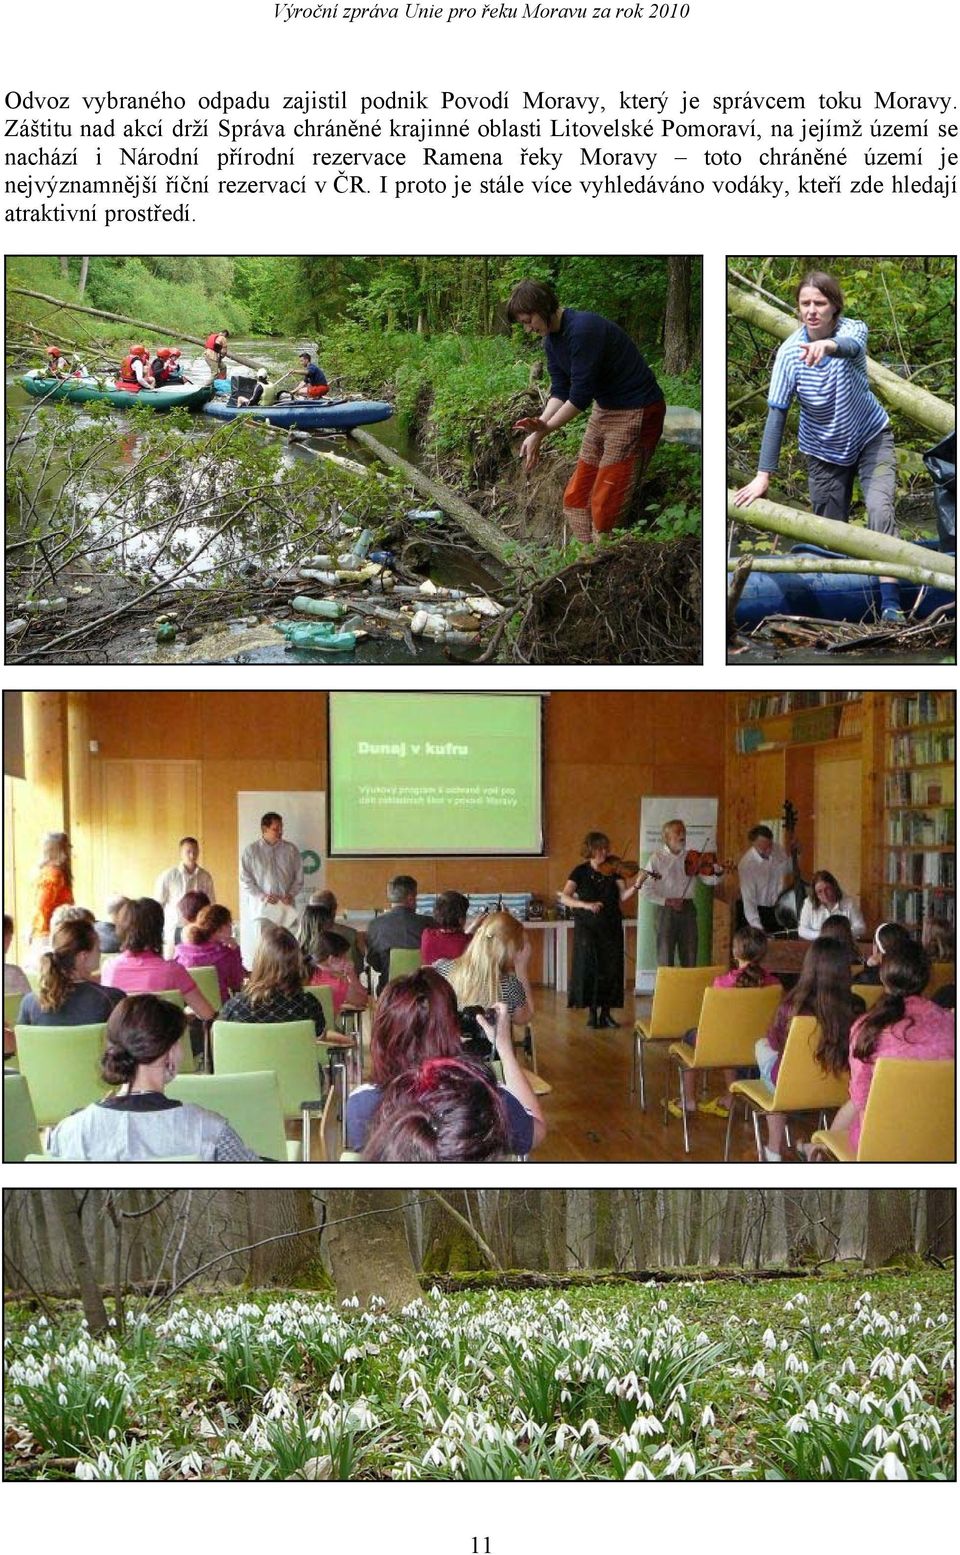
919 404
930 576
848 539
487 535
121 318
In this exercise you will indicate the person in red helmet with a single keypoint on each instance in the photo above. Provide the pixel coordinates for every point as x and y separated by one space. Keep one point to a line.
135 371
57 364
165 367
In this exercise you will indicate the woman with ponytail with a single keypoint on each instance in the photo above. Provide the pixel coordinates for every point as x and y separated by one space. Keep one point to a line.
901 1025
65 995
138 1122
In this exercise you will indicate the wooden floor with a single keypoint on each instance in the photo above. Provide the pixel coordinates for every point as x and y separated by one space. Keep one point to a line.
590 1113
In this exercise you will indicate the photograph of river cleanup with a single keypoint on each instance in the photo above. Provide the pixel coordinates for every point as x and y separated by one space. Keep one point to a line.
841 460
372 460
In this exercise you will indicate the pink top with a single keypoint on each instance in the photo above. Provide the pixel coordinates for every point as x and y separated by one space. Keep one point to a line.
729 980
143 971
338 986
231 972
927 1031
442 945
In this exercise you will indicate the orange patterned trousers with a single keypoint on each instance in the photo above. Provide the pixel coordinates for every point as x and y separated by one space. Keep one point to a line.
617 447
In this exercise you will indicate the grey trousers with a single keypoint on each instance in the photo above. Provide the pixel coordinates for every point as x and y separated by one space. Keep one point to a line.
831 485
677 931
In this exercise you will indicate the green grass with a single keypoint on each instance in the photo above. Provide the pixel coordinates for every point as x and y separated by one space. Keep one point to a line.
836 1378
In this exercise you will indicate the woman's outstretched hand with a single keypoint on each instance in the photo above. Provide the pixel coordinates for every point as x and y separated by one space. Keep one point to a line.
758 487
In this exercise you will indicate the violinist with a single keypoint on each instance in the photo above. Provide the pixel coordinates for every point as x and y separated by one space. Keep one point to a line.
595 892
672 871
763 871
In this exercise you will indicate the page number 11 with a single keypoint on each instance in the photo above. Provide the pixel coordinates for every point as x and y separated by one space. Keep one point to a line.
480 1546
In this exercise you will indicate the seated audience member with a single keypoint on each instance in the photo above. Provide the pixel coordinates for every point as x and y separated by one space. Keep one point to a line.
902 1024
141 968
822 990
355 939
188 908
493 968
940 943
400 928
209 941
15 979
415 1020
825 898
887 936
106 927
139 1122
274 992
837 927
327 963
66 994
69 912
447 1110
749 948
449 939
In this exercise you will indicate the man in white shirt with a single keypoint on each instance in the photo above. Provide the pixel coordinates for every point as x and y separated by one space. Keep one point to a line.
176 882
271 873
673 895
763 873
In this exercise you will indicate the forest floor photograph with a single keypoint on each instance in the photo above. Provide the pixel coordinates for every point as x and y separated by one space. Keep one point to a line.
361 1357
348 465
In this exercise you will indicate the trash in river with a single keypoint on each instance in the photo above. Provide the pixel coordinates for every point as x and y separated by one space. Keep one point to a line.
318 634
328 608
166 632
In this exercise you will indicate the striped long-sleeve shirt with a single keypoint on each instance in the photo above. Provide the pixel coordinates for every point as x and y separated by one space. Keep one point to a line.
839 413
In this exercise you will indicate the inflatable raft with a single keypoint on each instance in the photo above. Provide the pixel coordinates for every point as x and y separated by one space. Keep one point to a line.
84 391
828 596
308 415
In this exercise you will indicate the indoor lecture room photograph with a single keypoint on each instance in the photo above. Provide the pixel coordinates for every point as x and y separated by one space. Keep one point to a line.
567 926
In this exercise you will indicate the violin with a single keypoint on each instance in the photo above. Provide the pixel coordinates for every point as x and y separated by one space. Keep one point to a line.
706 865
624 868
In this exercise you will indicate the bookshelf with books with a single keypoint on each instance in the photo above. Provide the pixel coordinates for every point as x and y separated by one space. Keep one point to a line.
918 798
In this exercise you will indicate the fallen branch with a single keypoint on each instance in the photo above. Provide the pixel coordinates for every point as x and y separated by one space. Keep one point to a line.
848 539
850 564
121 318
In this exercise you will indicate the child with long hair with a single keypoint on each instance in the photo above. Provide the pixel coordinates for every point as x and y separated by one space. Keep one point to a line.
749 946
275 991
823 990
208 941
902 1024
330 966
494 968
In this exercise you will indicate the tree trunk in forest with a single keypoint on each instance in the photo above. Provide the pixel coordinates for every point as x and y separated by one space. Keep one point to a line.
448 1245
941 1231
919 404
122 318
64 266
67 1206
848 539
84 269
487 535
370 1256
889 1226
800 1228
676 322
296 1260
729 1248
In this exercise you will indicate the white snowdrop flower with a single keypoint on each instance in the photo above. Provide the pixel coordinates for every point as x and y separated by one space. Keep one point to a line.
353 1354
150 1470
759 1371
826 1328
646 1425
85 1471
769 1340
847 1367
701 1339
589 1428
336 1382
788 1306
112 1434
708 1417
435 1456
889 1467
638 1470
793 1364
191 1463
102 1403
911 1364
234 1451
883 1365
812 1409
876 1438
826 1467
564 1433
798 1425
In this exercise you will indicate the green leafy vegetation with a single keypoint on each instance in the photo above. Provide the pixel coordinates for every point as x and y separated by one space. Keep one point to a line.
848 1377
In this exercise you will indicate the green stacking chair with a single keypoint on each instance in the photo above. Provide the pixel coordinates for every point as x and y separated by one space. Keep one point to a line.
250 1103
403 963
21 1137
288 1047
61 1065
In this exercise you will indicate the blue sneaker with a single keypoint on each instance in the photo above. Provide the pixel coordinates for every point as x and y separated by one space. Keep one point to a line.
893 616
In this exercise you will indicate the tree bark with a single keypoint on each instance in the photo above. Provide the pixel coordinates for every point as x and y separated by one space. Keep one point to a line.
941 1229
121 318
919 404
291 1262
676 323
889 1231
67 1207
84 269
849 564
848 539
370 1256
487 535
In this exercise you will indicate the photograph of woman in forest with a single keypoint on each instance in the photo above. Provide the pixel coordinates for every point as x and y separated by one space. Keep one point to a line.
857 428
